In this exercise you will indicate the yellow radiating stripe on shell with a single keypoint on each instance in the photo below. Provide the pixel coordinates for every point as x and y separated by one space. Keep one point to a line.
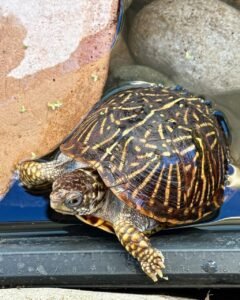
213 144
137 148
203 176
210 185
149 94
169 128
160 131
145 181
188 149
135 173
126 131
103 125
185 128
206 124
167 189
107 140
170 104
147 133
195 116
84 128
210 133
194 194
156 188
124 153
145 155
145 99
182 138
134 164
90 133
151 146
130 108
185 118
194 170
126 98
85 149
112 118
109 151
127 118
166 153
121 95
179 190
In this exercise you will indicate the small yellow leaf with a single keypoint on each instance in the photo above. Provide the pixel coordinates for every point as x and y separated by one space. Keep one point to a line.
33 155
94 77
55 104
22 109
188 55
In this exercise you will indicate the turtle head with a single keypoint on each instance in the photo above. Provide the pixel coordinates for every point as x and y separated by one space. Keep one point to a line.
77 193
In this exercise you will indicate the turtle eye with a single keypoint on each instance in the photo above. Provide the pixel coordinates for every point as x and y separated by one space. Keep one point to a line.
73 200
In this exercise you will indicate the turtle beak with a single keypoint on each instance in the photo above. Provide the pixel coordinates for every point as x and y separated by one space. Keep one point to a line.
54 200
57 201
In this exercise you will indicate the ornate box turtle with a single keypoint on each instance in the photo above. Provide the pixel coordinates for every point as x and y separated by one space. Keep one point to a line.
143 159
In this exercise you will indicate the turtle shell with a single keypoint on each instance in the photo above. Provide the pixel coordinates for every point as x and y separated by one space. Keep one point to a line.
161 151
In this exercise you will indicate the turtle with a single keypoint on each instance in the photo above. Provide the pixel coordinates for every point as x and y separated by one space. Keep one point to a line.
145 158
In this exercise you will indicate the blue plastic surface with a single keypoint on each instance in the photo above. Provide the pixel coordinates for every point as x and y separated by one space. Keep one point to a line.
21 206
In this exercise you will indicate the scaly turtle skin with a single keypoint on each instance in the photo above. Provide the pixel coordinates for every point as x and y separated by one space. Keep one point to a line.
143 159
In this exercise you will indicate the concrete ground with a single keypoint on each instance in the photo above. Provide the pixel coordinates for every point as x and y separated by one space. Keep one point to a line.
67 294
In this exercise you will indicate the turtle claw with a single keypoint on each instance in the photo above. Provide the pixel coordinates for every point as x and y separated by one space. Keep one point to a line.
153 264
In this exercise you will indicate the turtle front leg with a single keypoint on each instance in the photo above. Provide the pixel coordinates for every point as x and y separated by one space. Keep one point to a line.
139 246
38 174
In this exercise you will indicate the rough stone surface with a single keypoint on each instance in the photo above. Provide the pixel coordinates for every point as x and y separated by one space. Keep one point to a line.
67 294
142 73
229 104
120 54
234 3
195 43
53 66
138 4
127 3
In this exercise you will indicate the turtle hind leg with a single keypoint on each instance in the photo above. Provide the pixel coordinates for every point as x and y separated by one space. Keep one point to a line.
139 246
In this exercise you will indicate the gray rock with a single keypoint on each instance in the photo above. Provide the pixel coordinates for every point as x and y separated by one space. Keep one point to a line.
196 43
142 73
120 54
127 3
140 3
234 3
